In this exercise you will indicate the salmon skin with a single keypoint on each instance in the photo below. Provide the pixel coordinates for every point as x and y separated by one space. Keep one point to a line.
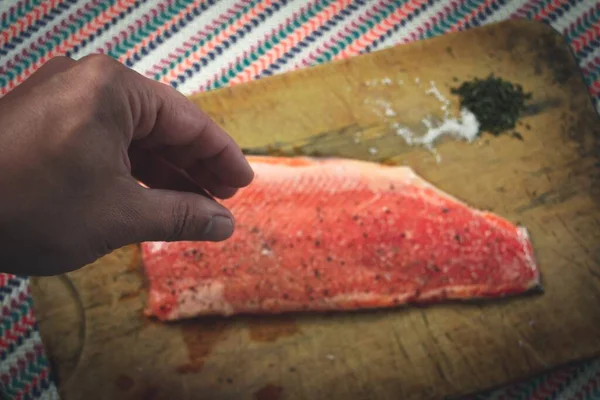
336 234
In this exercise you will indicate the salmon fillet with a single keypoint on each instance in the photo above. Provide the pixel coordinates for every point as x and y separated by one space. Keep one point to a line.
339 234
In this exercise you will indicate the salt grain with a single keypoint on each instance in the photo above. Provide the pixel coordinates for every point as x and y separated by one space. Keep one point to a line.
436 93
465 128
330 357
436 154
389 112
427 123
386 107
433 90
406 134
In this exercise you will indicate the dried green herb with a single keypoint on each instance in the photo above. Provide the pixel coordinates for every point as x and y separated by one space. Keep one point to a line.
496 103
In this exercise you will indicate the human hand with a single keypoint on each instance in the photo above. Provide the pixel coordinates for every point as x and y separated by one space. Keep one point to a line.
73 137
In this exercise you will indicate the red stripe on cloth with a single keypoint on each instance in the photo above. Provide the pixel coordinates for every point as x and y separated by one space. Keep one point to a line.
5 277
460 24
290 41
193 39
551 382
380 29
211 44
159 31
591 67
28 19
42 42
311 58
585 392
131 29
68 44
525 9
582 40
595 88
546 11
18 328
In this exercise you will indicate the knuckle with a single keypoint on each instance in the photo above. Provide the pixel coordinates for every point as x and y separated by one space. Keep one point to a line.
182 213
98 72
95 87
99 62
188 222
57 60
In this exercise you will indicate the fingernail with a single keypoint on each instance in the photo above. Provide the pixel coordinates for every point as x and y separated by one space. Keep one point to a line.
218 228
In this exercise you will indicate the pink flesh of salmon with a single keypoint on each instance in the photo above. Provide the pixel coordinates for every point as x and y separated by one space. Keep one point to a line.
339 234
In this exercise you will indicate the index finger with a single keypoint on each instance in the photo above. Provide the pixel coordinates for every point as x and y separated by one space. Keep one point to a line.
170 122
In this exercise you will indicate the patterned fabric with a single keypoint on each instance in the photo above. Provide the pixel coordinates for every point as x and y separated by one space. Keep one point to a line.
202 45
24 371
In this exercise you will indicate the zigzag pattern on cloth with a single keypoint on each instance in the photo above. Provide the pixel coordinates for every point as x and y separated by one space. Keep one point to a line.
152 29
34 19
24 368
205 39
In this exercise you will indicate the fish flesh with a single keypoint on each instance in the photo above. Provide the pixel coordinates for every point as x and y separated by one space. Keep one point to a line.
339 234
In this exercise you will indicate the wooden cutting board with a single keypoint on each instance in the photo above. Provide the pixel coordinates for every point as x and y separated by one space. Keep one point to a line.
102 347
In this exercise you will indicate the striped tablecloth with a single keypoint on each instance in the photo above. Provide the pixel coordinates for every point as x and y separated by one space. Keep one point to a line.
201 45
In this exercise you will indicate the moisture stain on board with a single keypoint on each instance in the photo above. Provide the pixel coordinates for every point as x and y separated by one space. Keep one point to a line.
269 392
199 339
124 296
124 382
268 330
131 277
149 393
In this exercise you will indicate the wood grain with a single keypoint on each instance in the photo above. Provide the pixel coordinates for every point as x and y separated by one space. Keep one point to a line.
102 347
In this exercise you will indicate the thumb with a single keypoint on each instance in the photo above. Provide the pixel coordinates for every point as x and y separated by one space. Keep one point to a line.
165 215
